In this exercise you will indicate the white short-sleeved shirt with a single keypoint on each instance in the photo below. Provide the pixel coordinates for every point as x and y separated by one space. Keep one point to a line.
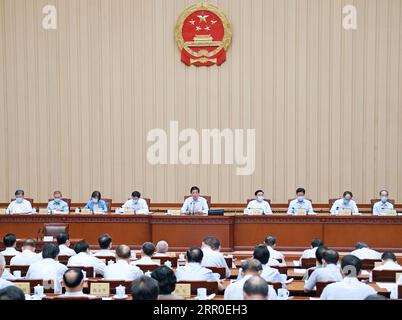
306 205
23 207
195 272
380 206
10 251
214 259
85 260
329 273
26 258
47 269
255 204
121 270
66 251
366 253
194 206
235 290
340 205
347 289
140 207
274 254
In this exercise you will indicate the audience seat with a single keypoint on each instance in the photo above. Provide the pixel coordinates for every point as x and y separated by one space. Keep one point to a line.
22 268
320 285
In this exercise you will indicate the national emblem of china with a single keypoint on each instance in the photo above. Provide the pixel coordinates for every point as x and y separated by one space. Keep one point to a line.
203 34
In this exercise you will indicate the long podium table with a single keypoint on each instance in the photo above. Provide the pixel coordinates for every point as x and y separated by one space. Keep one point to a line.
236 232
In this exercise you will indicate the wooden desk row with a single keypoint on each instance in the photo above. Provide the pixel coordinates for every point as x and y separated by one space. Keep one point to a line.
236 232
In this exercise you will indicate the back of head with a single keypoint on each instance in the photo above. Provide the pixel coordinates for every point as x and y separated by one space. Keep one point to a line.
166 279
351 266
255 288
375 297
73 277
145 288
251 266
361 245
319 253
62 238
270 241
104 241
29 243
212 242
81 246
50 251
9 240
123 252
331 256
162 247
195 255
388 256
148 248
261 253
12 293
316 242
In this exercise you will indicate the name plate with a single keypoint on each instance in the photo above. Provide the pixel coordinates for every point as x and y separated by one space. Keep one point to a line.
129 211
3 211
256 212
377 264
398 277
48 239
345 212
174 212
156 261
24 286
100 289
171 254
86 211
300 212
43 211
388 212
183 290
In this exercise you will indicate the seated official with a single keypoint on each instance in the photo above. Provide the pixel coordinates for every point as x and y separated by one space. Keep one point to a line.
105 245
161 248
329 272
63 241
363 252
300 203
382 205
249 268
350 288
310 253
96 204
145 288
261 254
167 283
147 251
195 204
12 293
3 283
255 288
122 270
270 242
83 258
258 203
57 205
20 205
346 203
73 282
389 262
211 247
10 242
319 261
28 255
48 268
136 203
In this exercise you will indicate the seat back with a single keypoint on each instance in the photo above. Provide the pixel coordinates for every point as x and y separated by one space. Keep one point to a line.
54 229
368 264
399 291
385 275
331 202
211 286
208 198
219 270
147 267
63 259
47 284
163 259
275 285
374 201
22 268
308 263
28 199
106 259
90 271
108 204
281 269
321 286
8 259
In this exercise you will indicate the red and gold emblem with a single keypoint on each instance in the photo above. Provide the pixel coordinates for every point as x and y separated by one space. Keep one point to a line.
203 34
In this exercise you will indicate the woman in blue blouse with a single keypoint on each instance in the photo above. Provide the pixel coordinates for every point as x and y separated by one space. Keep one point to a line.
96 204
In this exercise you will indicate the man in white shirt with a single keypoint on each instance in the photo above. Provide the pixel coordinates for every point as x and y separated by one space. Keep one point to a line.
300 204
255 288
346 203
195 204
28 255
193 271
384 204
136 203
122 270
350 288
270 242
147 251
73 282
212 256
63 241
19 205
330 272
10 242
57 205
250 268
3 283
83 258
389 262
105 244
363 252
258 203
162 248
48 268
310 253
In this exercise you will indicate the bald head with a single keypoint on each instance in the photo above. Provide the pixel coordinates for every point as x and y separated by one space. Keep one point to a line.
162 247
73 280
123 252
251 267
255 288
